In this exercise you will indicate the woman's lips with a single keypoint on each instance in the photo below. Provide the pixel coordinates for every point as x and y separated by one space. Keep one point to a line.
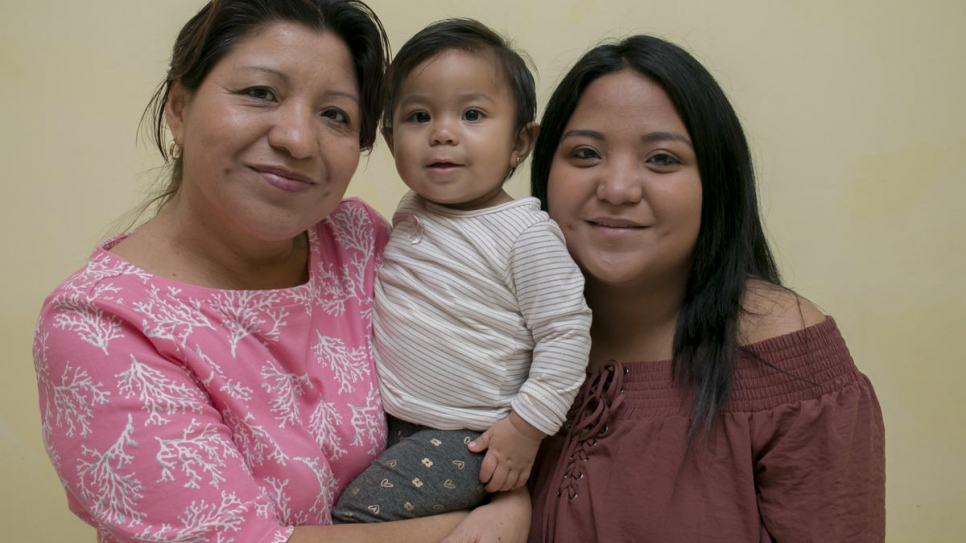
615 229
285 180
616 223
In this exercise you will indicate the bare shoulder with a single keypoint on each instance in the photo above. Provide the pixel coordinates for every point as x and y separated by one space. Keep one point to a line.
770 311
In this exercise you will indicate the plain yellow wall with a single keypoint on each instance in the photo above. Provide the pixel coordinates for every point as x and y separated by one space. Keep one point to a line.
855 110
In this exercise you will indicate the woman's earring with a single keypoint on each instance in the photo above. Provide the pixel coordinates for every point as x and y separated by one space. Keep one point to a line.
174 151
519 160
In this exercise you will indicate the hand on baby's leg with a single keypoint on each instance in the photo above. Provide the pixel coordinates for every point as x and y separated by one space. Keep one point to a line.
511 445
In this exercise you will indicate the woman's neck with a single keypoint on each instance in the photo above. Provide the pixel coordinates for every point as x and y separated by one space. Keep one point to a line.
632 325
179 245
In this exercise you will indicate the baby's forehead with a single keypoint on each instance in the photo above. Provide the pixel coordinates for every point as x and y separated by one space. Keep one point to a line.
453 68
485 53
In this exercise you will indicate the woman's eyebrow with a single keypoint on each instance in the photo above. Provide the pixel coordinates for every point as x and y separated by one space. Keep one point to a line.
256 68
287 80
646 138
592 134
665 136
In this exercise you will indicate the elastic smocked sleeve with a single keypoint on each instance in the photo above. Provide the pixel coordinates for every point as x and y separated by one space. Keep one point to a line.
140 450
820 466
550 290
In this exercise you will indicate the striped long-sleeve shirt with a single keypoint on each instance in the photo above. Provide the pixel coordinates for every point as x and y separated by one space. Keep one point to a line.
477 312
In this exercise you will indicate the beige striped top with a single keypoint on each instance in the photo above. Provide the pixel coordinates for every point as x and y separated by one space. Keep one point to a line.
477 312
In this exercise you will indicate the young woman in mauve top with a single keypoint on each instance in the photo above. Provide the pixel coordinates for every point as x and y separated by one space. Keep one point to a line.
719 406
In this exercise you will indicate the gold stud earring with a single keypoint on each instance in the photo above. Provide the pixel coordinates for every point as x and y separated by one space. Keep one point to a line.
174 151
519 160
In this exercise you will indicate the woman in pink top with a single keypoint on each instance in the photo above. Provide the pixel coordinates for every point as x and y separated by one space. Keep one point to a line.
719 406
209 376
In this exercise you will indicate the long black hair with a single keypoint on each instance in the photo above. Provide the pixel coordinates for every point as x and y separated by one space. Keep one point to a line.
731 246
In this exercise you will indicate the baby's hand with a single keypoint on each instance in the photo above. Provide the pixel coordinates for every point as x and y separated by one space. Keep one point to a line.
511 446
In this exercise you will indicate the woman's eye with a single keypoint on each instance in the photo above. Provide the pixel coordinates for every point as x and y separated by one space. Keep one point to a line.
336 115
260 93
584 153
472 115
664 160
419 117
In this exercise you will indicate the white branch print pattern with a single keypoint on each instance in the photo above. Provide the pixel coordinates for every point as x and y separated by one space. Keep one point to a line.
160 396
306 295
253 441
73 399
47 414
353 229
275 490
41 364
91 325
361 240
367 420
75 304
250 313
102 267
202 522
110 493
195 453
283 388
328 486
230 387
280 538
169 317
323 424
333 293
105 536
349 366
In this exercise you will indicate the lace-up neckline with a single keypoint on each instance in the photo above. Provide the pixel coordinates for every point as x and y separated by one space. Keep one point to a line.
592 414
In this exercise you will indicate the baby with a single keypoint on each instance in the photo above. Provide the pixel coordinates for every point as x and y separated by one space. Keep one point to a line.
481 333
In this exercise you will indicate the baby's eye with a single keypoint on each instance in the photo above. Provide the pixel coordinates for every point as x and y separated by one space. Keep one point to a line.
260 93
472 115
663 160
336 115
419 117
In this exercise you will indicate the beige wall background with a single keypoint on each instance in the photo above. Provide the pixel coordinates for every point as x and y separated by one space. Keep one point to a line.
855 110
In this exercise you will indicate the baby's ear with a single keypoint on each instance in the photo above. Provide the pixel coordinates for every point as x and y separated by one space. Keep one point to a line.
523 143
387 135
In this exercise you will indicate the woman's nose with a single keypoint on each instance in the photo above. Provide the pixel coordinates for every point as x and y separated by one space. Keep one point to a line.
622 183
293 132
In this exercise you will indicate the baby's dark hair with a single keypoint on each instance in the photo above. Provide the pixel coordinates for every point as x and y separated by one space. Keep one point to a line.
474 37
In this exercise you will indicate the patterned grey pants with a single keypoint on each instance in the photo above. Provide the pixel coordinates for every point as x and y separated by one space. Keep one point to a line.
423 472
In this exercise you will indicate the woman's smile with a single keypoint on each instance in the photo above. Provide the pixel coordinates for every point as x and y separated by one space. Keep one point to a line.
284 179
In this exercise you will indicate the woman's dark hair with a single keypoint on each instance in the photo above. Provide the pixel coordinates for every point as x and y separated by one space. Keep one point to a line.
466 35
215 30
731 245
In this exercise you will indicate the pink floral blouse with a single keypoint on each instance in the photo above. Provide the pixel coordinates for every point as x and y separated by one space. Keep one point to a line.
173 412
